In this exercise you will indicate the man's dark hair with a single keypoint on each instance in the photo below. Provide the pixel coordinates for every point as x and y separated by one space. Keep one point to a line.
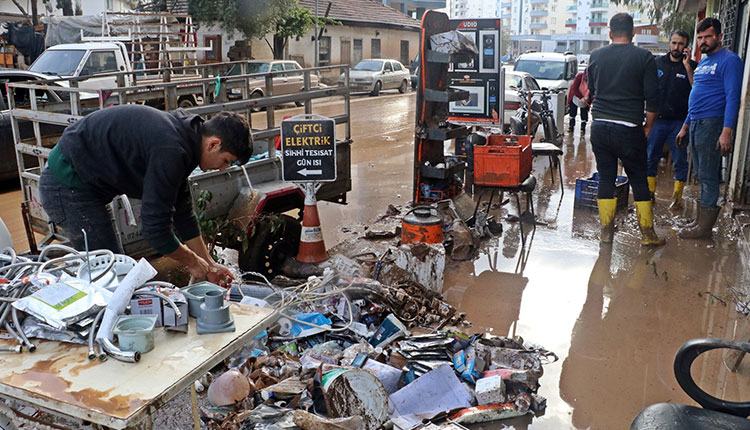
682 33
234 133
708 23
621 25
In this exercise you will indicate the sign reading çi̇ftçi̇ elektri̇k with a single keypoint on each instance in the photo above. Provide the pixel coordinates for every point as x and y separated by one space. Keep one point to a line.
308 149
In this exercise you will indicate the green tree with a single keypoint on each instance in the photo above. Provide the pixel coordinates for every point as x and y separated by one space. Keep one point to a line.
295 24
679 21
252 18
665 13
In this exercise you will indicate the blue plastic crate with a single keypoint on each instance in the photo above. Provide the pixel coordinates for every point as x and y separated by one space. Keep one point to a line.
586 190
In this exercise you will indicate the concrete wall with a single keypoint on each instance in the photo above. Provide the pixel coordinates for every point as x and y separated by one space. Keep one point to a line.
390 43
303 50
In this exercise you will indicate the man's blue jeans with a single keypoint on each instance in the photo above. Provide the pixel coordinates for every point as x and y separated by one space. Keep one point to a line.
74 209
666 130
704 136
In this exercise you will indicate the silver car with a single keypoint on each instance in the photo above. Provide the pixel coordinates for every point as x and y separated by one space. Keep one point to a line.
283 83
374 75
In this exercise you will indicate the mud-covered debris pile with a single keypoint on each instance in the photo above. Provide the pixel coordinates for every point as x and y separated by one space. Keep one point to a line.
351 352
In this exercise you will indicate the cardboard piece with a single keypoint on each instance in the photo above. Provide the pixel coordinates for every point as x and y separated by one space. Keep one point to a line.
435 392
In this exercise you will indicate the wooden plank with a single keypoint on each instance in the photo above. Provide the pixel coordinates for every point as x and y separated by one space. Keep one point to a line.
60 377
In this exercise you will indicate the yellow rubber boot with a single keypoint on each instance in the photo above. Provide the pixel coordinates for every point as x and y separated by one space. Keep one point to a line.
607 209
676 205
652 187
645 212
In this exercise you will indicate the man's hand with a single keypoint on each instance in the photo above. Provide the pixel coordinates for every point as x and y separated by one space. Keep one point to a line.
219 274
682 137
725 141
199 269
686 58
647 129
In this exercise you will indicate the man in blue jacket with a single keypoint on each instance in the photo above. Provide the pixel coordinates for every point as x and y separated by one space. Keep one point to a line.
145 154
712 117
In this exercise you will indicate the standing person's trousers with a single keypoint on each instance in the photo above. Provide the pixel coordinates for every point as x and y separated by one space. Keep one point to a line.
666 130
611 142
573 111
704 137
76 209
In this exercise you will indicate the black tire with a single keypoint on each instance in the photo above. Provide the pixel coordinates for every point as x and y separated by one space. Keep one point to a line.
376 89
268 250
185 103
404 86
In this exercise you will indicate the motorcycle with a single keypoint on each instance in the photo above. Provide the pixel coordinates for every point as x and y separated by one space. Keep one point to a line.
540 113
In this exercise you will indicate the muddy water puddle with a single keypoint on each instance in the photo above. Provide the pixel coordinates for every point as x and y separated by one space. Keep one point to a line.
615 316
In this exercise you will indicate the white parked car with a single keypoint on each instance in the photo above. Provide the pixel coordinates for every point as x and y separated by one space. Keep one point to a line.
554 71
550 69
374 75
513 82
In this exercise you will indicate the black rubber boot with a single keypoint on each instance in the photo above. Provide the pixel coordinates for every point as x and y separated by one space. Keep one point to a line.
572 124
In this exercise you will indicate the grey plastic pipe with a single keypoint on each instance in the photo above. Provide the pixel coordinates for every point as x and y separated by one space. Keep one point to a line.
118 354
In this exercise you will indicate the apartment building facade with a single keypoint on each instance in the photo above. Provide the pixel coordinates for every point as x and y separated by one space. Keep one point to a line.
474 8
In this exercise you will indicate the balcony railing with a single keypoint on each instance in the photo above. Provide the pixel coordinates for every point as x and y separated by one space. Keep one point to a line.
573 8
538 25
506 15
539 1
600 5
598 22
570 22
541 12
507 4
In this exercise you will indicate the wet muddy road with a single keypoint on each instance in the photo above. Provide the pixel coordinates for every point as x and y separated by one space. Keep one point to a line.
615 317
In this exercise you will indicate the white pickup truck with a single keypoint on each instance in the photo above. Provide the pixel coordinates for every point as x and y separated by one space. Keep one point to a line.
92 58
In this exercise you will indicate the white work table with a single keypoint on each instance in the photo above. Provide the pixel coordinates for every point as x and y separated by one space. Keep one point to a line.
59 377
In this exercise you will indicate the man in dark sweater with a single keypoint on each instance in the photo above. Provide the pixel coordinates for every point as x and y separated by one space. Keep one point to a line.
621 78
675 71
145 154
